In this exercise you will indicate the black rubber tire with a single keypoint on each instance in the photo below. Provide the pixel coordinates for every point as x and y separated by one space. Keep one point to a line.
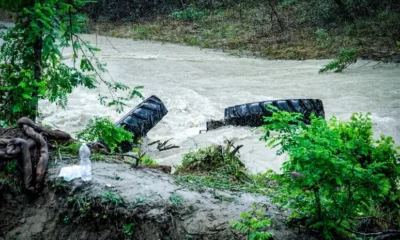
251 114
142 119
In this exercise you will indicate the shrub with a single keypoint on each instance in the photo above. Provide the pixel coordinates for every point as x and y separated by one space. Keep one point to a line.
146 160
103 129
336 172
128 230
346 58
253 224
190 14
216 158
322 38
3 124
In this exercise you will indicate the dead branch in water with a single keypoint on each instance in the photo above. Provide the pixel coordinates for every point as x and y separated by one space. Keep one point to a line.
162 146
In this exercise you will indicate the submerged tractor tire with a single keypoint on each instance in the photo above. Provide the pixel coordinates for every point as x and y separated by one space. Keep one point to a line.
142 119
252 114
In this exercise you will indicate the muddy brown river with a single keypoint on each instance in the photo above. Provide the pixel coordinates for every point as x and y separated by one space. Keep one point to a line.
196 85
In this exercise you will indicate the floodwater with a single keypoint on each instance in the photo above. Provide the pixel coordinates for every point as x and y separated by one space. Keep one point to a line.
196 85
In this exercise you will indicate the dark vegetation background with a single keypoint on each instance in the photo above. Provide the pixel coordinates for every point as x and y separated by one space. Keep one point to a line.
278 29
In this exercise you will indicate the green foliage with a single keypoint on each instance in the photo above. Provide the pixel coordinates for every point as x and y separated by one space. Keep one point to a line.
346 58
253 224
147 160
219 167
128 230
66 219
176 199
69 148
141 158
31 66
82 203
3 124
103 129
322 38
203 181
190 14
223 160
112 198
336 171
11 166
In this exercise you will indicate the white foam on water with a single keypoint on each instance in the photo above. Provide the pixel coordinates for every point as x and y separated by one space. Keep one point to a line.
197 85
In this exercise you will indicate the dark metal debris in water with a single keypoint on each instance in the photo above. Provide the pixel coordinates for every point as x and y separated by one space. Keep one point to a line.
252 114
142 118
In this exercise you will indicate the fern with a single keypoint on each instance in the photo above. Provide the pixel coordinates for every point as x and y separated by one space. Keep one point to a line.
253 224
260 236
239 226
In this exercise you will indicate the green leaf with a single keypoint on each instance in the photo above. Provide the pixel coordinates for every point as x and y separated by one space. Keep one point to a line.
26 96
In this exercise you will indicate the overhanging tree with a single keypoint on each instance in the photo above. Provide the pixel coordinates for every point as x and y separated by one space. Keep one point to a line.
31 66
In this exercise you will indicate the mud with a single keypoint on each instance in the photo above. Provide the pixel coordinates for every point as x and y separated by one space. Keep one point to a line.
148 204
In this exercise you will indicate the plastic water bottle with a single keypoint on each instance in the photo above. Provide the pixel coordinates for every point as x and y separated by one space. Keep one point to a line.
86 165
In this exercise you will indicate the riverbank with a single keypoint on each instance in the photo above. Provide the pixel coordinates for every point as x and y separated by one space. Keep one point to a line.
251 32
125 203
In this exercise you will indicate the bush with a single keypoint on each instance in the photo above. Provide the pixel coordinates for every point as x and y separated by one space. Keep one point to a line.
190 14
216 158
252 224
146 160
345 59
103 129
3 124
336 172
322 38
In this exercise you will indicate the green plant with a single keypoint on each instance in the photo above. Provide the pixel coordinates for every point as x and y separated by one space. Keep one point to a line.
346 58
141 158
219 167
176 199
103 129
190 14
111 197
143 32
68 148
3 124
223 160
322 38
253 224
31 60
336 172
11 166
128 230
146 160
204 181
82 203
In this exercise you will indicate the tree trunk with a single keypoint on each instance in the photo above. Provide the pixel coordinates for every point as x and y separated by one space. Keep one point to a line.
278 18
37 51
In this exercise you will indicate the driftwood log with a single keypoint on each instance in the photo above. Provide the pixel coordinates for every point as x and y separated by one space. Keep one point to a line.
29 142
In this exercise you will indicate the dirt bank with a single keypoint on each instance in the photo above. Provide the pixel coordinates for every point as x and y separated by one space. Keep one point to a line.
120 196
